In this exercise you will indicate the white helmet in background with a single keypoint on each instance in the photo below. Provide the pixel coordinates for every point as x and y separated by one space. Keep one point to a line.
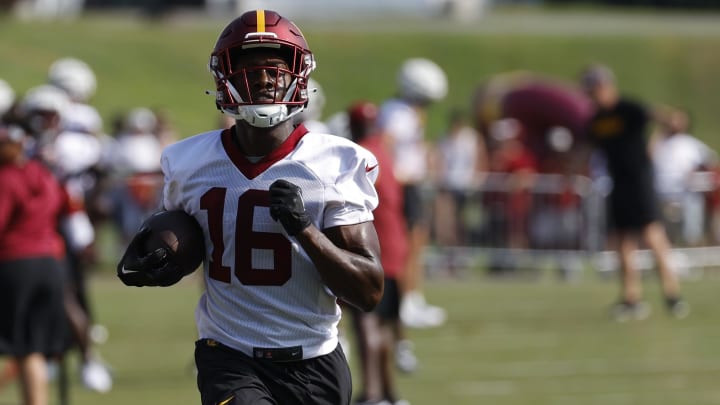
422 80
45 98
75 77
141 120
7 97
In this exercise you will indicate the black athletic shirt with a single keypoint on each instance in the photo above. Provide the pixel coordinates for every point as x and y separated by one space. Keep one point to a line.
620 132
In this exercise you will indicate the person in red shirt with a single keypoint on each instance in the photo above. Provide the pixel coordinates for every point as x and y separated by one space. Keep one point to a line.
32 318
510 209
377 331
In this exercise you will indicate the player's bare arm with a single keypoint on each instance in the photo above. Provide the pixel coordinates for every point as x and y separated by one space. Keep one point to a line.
347 257
348 260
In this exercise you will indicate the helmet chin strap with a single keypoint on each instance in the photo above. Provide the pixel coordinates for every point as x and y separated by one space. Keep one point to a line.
263 116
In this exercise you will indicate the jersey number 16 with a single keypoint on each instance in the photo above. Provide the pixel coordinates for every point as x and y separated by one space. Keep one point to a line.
245 239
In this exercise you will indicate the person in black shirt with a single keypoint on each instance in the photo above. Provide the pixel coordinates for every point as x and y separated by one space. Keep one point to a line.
618 129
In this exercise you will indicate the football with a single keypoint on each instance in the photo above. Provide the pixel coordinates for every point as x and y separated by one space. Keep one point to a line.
179 232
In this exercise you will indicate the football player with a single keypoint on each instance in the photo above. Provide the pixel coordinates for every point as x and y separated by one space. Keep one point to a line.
32 321
420 82
378 331
70 154
287 219
76 78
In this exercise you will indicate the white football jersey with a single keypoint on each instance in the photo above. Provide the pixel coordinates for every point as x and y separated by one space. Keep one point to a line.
73 152
676 158
82 117
400 120
262 289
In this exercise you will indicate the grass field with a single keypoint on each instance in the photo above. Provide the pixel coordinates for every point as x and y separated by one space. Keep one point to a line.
506 343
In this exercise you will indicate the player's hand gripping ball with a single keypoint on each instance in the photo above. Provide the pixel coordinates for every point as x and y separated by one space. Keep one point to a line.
169 246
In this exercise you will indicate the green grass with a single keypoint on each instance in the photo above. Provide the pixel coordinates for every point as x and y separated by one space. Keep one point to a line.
506 343
661 58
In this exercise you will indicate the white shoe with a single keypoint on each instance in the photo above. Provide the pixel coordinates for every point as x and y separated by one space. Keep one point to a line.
415 312
95 376
405 359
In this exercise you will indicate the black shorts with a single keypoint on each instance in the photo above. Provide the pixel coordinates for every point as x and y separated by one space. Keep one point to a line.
32 315
389 306
413 205
229 377
633 209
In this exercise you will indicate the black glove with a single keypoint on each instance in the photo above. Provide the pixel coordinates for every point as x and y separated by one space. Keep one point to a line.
154 269
286 206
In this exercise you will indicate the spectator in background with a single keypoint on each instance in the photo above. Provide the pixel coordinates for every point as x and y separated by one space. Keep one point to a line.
7 103
618 128
69 154
32 320
420 82
510 155
378 331
547 155
678 157
460 161
137 164
509 205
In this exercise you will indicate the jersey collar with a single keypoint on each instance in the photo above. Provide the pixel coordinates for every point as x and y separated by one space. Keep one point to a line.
252 170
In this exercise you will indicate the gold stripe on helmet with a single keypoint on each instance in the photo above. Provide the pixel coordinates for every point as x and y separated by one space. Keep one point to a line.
260 20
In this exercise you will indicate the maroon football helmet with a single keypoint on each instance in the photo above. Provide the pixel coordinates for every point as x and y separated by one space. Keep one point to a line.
269 30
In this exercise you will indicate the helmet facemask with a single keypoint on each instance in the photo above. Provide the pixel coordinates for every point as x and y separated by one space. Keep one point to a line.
235 95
